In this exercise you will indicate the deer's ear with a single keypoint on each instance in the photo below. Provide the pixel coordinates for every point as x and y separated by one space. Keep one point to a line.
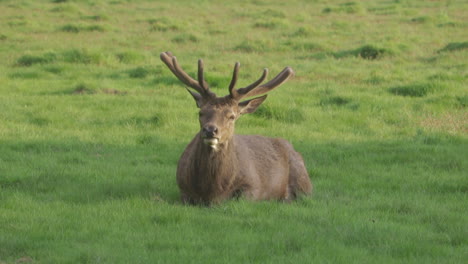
196 96
249 106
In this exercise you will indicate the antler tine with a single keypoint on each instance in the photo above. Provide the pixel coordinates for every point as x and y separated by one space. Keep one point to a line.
166 57
233 92
282 77
171 62
201 78
243 92
185 78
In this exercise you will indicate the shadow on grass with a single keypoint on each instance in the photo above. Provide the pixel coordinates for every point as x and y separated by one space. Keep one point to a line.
414 90
432 164
367 52
454 46
78 172
339 101
290 115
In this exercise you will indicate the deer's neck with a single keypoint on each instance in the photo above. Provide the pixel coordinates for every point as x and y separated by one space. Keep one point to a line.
215 168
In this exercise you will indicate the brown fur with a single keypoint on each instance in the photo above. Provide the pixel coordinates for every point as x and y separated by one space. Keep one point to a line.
255 167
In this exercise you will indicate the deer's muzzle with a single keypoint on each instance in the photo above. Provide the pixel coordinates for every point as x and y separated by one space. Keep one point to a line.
209 131
209 134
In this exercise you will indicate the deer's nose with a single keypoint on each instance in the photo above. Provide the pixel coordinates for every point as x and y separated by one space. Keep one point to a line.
210 131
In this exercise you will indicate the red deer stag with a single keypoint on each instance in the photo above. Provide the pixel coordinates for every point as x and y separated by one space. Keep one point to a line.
217 165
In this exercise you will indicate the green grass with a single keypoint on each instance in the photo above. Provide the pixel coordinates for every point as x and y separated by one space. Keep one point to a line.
92 125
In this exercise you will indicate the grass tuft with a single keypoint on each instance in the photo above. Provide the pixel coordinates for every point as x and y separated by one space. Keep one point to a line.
72 28
270 23
302 32
73 56
82 56
138 72
335 100
280 113
338 101
112 91
139 121
83 88
413 90
462 101
129 57
54 69
368 52
96 17
454 46
185 38
98 28
25 74
450 24
348 7
89 89
163 24
256 46
29 60
421 19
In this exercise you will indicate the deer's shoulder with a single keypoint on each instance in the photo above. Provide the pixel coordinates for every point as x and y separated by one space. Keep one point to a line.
262 144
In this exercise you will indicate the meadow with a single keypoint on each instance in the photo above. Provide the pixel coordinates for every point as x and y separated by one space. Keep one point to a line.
92 124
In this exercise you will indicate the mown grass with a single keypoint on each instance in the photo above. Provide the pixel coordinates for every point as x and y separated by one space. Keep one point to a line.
92 125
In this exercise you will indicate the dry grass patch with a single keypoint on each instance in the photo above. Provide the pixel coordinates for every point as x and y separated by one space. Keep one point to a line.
453 123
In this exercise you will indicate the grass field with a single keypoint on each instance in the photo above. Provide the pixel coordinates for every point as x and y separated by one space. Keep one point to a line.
92 125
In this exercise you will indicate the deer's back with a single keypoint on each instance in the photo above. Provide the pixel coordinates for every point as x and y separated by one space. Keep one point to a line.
264 165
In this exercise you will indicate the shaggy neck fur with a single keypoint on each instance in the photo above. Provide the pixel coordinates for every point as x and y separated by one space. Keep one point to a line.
214 169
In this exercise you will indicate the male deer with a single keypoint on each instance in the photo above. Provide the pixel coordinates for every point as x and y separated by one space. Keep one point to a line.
217 165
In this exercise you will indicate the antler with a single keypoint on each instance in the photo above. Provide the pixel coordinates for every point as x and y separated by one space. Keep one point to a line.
201 86
255 88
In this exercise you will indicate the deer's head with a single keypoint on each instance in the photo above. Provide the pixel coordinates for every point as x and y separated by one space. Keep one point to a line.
218 114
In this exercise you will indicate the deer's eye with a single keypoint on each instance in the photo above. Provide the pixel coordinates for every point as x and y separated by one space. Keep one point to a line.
232 117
